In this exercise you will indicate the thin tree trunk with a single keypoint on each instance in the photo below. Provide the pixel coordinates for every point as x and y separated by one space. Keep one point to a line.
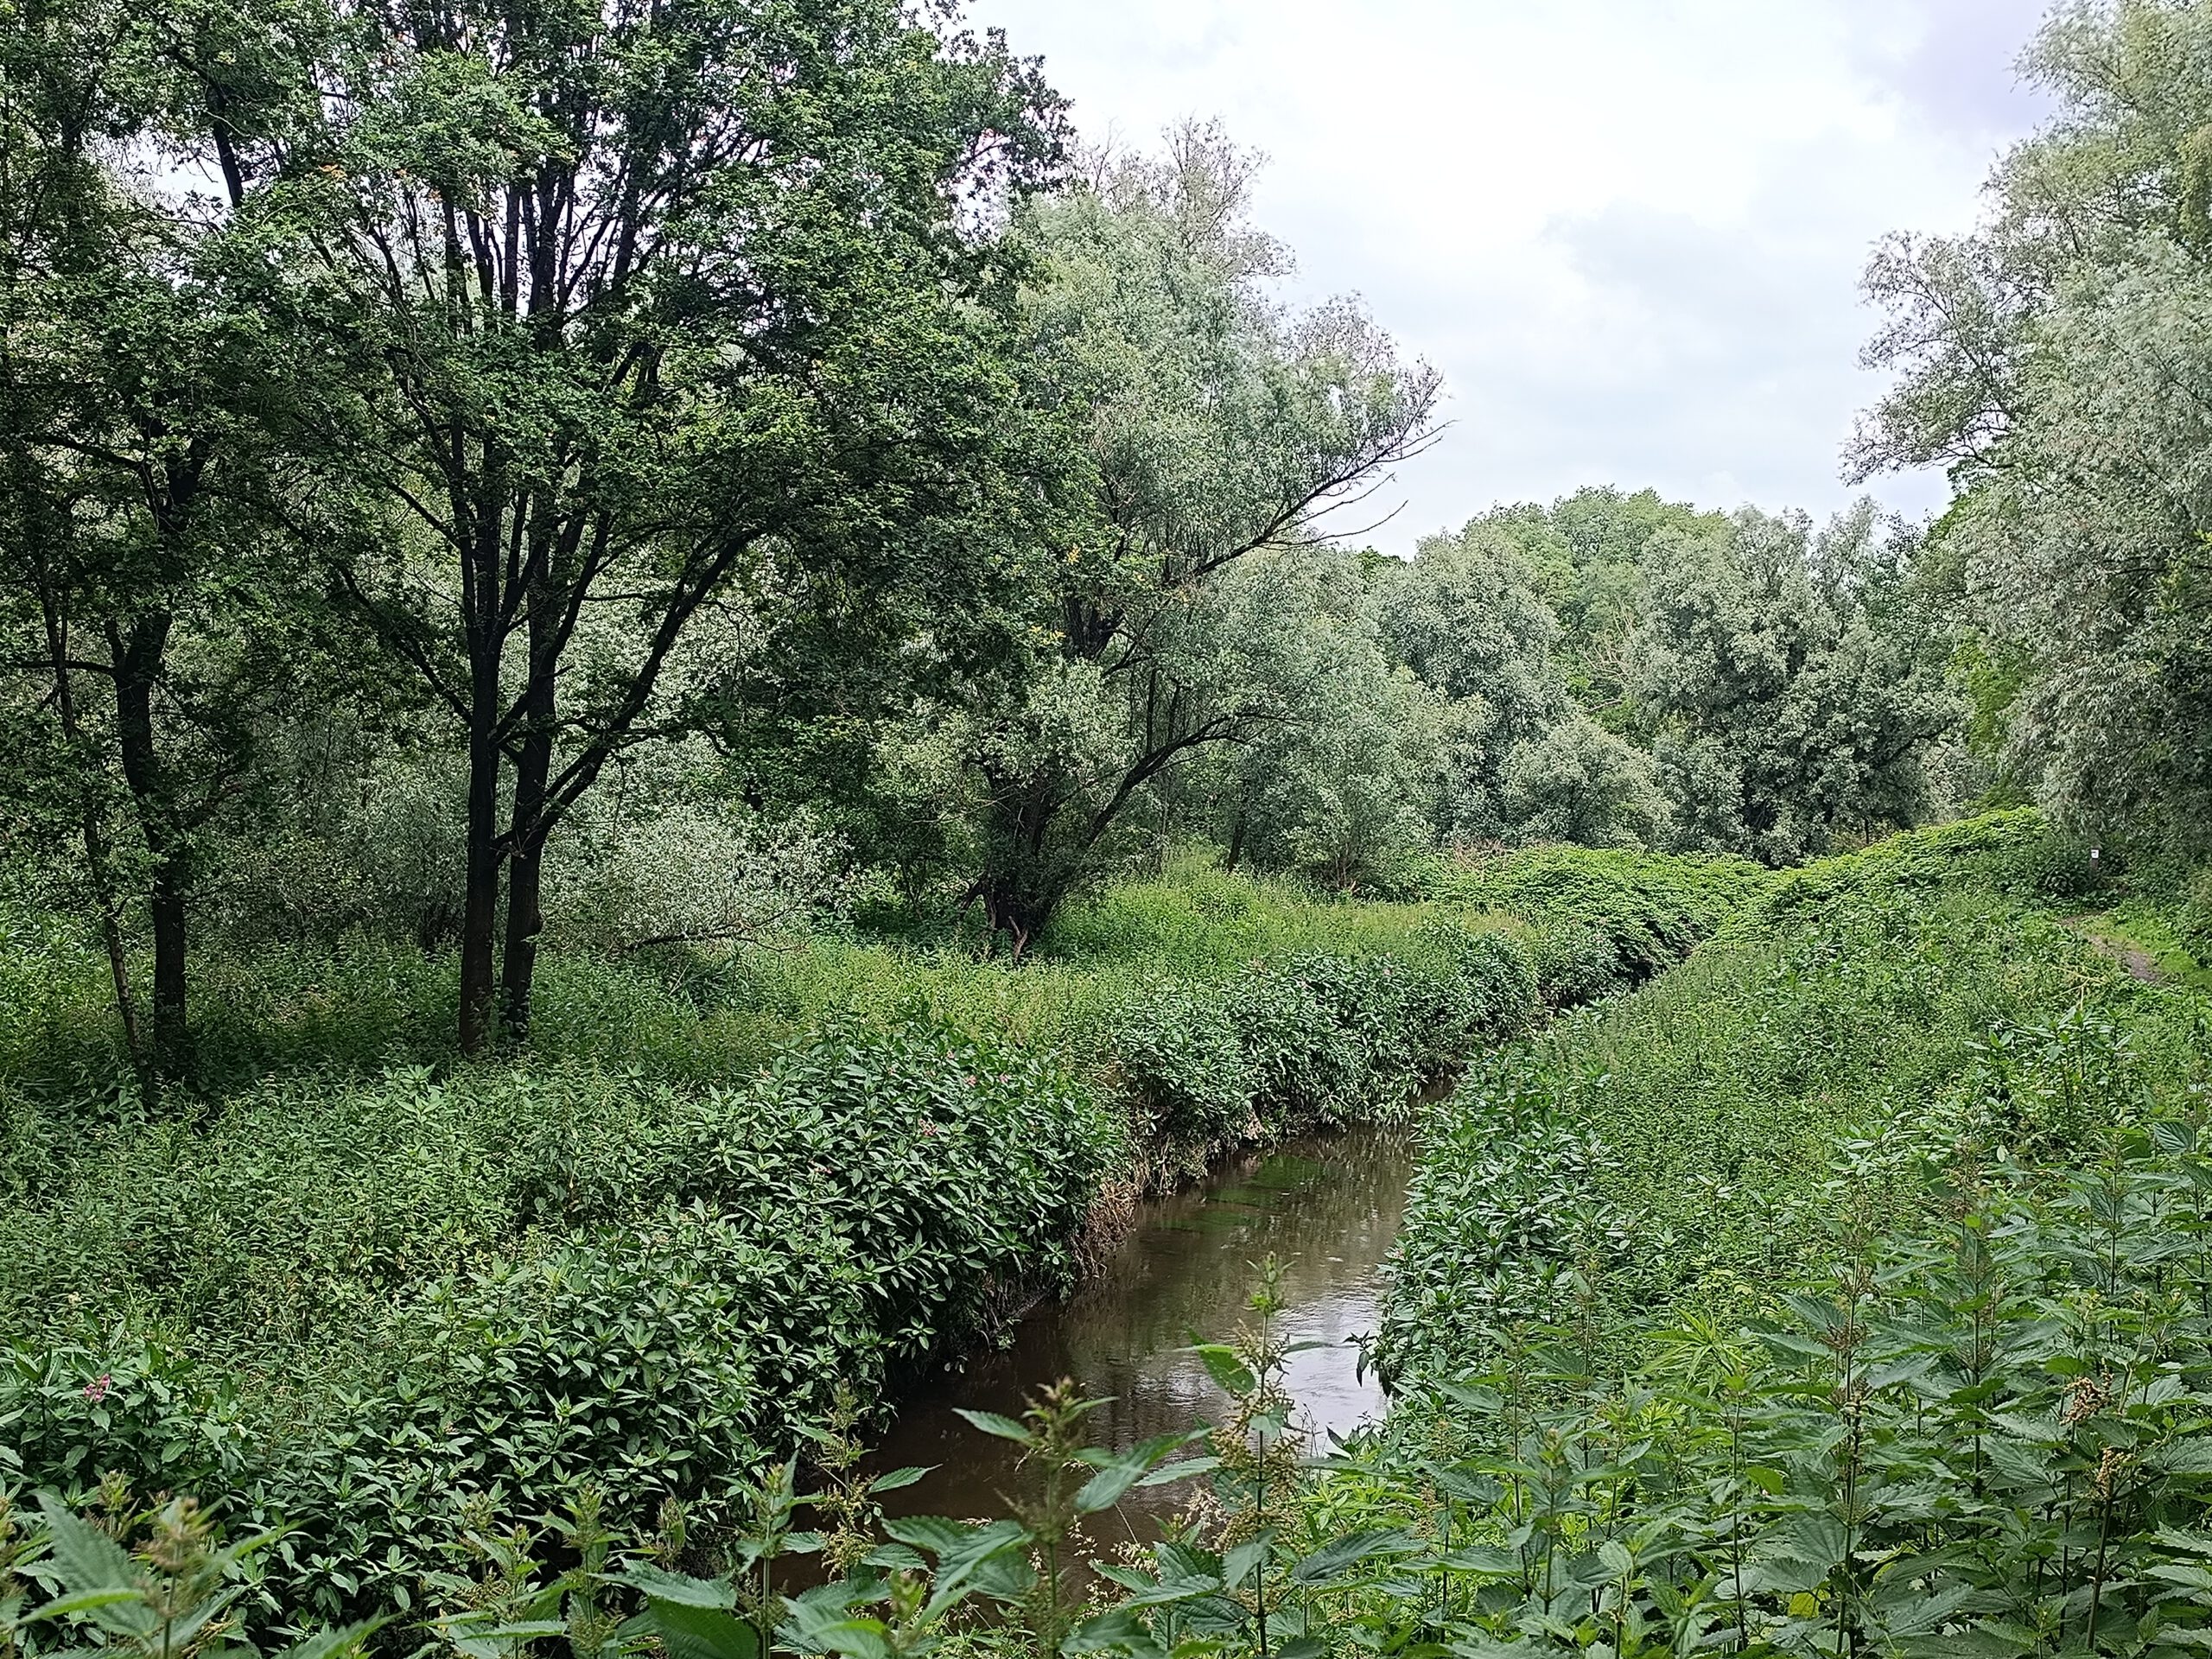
98 864
525 920
529 825
137 658
481 902
479 499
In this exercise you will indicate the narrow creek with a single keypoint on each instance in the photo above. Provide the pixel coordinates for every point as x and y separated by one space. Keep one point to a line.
1326 1206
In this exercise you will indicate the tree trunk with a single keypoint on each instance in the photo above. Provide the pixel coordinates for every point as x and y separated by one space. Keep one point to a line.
518 966
526 839
98 866
529 824
138 655
481 904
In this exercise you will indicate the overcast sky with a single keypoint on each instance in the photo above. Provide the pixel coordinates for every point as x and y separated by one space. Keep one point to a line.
1629 231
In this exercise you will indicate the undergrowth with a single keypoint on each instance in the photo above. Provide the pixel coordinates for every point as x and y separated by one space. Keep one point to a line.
343 1283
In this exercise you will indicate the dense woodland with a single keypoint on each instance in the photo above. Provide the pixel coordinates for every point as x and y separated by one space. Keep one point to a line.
685 689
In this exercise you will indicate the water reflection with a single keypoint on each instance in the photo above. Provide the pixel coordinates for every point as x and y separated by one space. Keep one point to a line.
1327 1206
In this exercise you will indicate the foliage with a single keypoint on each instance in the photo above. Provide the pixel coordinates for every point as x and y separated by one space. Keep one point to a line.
1983 1433
1340 788
1212 427
1666 1152
400 1298
159 1583
2193 921
2055 359
1791 697
1604 921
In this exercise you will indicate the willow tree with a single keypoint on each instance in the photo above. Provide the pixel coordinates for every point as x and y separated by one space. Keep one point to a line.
2058 362
1211 423
656 314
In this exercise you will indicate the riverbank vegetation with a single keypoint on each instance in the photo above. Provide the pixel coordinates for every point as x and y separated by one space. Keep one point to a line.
370 1294
682 696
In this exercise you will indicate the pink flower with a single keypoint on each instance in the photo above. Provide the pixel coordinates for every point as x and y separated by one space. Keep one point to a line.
927 1127
96 1390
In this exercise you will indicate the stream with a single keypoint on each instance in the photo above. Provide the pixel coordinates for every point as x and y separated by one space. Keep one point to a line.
1326 1205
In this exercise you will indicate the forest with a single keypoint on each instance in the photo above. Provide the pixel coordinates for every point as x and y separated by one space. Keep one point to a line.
695 706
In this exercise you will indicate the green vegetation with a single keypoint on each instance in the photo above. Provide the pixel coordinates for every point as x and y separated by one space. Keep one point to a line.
371 1299
678 706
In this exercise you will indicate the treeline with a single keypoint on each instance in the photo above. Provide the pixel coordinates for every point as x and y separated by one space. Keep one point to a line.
662 475
665 475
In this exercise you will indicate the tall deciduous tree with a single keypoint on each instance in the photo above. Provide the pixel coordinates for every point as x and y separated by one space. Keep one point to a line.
1788 696
662 316
142 404
2058 361
1212 425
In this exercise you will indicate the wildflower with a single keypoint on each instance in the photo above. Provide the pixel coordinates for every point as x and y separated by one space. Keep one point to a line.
96 1390
926 1127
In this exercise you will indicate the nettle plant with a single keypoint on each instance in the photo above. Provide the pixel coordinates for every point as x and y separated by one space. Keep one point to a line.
1989 1435
1992 1436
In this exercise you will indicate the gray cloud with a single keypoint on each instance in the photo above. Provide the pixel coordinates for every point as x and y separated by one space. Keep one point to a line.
1629 231
1953 65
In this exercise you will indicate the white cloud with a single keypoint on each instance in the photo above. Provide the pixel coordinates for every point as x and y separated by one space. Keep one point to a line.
1630 232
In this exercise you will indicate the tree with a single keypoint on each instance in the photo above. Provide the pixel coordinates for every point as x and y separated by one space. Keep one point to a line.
1577 782
1466 619
1339 788
1786 698
661 321
2058 361
154 598
1212 426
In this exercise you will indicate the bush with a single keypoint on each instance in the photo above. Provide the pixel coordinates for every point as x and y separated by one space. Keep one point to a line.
1610 919
349 1288
2193 921
1318 1039
360 1311
1914 991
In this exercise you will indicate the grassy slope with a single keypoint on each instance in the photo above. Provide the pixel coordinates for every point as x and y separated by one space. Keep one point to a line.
1676 1148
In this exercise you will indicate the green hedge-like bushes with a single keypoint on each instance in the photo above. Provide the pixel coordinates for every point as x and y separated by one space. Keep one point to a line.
1316 1040
1604 920
1928 980
2193 919
489 1288
362 1304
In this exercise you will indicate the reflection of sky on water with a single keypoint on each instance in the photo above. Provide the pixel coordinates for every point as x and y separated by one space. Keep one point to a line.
1327 1207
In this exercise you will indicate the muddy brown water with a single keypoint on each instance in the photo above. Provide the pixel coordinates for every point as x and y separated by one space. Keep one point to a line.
1327 1206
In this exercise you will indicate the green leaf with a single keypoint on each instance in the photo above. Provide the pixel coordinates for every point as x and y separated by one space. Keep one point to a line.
992 1422
899 1477
1181 1469
1330 1562
1237 1567
2192 1456
88 1558
689 1631
335 1643
1117 1474
676 1587
1229 1373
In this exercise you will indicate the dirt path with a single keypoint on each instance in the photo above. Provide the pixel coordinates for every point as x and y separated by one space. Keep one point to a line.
2097 929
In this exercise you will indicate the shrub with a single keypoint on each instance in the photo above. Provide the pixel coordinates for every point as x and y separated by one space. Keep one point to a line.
406 1299
1910 991
2193 921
